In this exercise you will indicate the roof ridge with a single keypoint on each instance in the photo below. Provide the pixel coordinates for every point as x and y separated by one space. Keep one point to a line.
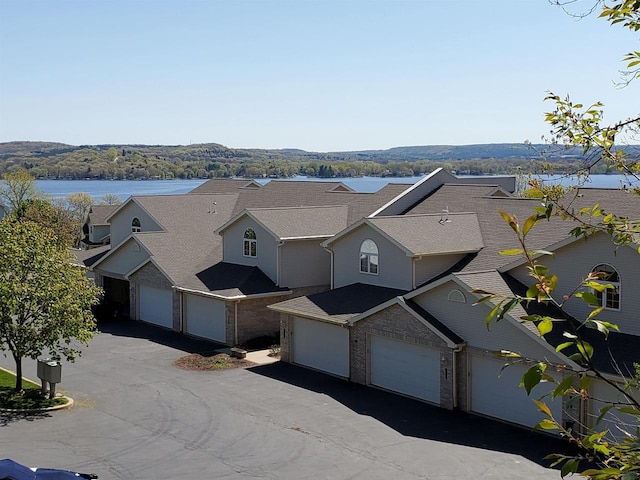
299 207
414 215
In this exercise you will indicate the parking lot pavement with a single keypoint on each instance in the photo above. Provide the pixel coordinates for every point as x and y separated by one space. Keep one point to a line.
138 417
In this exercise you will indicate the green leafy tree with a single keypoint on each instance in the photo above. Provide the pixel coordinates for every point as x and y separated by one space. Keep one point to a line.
17 187
45 300
78 205
54 217
110 199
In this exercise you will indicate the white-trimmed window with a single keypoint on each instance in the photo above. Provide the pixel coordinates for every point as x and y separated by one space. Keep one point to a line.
610 297
135 225
369 257
250 244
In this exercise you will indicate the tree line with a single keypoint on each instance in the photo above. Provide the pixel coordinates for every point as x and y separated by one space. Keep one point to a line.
142 162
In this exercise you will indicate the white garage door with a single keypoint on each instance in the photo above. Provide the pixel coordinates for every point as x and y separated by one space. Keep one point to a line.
406 368
156 306
205 317
322 346
614 421
501 396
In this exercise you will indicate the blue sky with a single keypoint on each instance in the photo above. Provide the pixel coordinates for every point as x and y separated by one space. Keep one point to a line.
318 75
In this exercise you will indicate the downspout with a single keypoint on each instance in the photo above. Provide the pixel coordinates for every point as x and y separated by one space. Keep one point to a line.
413 271
278 245
457 349
235 323
330 250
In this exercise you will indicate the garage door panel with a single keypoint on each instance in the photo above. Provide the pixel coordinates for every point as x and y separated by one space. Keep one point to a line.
320 345
156 306
205 317
499 395
404 367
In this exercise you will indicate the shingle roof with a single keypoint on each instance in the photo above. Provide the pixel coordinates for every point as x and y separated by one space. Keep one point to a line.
188 245
312 194
300 222
433 234
91 256
341 304
497 235
225 185
231 280
99 213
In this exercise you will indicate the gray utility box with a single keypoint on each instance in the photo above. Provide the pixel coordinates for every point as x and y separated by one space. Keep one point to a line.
49 370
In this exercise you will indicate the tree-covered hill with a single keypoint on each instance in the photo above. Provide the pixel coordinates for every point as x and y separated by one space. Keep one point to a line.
208 160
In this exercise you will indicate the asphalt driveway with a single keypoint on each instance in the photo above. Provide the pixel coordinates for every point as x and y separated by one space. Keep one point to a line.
138 417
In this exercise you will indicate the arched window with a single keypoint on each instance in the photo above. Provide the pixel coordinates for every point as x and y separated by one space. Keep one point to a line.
610 297
369 257
135 225
250 245
456 296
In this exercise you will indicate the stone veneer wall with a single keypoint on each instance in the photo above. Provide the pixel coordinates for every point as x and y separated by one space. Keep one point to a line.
395 322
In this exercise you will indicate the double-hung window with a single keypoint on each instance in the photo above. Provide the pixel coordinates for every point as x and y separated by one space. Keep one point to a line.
369 257
135 225
609 297
250 244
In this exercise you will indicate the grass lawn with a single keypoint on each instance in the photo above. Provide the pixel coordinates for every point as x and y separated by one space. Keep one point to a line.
30 397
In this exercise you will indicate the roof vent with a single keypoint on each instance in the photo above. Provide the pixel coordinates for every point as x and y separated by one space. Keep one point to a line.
212 208
444 217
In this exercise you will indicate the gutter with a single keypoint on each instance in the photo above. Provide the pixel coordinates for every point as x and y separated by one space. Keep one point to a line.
236 297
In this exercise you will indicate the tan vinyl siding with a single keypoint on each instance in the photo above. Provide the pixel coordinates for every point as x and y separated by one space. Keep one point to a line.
468 322
429 267
125 259
304 263
266 247
395 269
574 262
121 223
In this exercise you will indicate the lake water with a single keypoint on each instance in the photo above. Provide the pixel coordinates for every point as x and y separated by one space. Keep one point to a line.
126 188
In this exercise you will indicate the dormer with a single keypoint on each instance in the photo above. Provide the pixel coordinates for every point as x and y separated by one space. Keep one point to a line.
402 251
284 242
129 218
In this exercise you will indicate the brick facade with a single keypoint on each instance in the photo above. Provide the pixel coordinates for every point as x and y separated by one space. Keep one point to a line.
393 322
397 323
255 319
